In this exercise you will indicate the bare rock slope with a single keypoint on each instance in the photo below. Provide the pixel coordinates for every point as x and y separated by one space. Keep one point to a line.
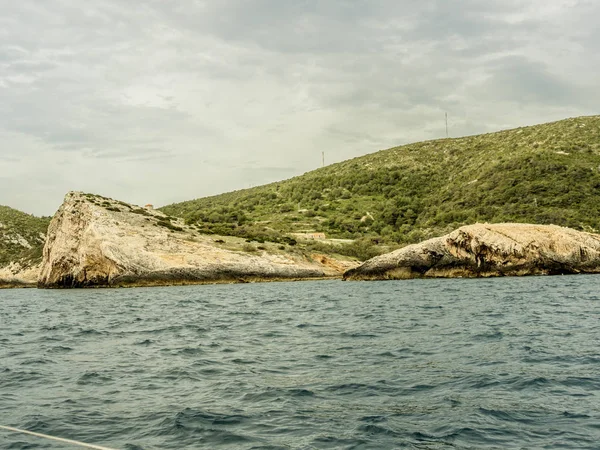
96 241
485 250
19 274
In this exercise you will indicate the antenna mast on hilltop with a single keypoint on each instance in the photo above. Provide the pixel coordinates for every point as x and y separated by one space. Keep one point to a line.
446 125
323 157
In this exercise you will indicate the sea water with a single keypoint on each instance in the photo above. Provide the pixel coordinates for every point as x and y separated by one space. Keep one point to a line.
424 364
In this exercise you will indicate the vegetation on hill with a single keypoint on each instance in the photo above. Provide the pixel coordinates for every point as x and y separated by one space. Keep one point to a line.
21 236
544 174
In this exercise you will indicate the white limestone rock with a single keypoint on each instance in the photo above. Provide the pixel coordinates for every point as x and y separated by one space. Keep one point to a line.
94 241
484 250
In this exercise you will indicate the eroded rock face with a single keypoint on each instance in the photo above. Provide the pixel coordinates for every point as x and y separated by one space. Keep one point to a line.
484 250
17 274
94 241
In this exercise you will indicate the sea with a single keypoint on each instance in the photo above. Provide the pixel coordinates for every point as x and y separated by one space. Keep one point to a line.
420 364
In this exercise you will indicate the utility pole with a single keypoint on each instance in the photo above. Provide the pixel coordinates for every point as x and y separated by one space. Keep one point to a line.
323 156
446 125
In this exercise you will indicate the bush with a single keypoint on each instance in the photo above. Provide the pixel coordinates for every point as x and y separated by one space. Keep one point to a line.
289 240
361 249
169 225
140 211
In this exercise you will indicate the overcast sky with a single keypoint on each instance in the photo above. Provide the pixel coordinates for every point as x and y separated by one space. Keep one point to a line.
158 101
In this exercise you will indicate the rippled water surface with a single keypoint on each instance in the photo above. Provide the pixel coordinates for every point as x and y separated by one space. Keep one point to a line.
428 364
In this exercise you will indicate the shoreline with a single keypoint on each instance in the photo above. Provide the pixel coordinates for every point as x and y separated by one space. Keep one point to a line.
254 280
155 283
16 285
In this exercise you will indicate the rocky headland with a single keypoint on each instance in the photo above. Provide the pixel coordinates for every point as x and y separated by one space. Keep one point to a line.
488 250
94 241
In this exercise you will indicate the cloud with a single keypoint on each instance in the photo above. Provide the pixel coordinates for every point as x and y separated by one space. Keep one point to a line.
519 79
169 101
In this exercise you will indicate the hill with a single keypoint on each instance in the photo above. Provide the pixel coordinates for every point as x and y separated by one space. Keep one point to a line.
542 174
21 236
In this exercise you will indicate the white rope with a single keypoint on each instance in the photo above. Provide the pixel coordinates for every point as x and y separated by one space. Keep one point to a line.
54 438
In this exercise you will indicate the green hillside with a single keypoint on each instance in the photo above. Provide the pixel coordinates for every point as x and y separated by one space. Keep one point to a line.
21 236
545 174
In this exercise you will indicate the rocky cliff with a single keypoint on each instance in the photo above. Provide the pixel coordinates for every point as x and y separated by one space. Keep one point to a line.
484 250
96 241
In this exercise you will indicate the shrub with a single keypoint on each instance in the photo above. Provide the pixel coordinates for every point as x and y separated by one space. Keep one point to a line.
289 240
169 225
140 211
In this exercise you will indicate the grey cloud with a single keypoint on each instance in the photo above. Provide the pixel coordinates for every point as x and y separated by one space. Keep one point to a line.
341 26
10 53
139 154
250 177
212 95
288 26
523 80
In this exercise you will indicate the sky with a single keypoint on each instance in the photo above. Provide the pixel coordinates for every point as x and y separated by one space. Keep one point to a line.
159 101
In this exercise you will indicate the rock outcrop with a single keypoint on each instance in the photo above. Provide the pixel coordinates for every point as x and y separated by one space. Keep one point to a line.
19 274
486 250
94 241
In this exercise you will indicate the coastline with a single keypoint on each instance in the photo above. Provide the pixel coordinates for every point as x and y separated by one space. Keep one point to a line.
158 283
16 285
